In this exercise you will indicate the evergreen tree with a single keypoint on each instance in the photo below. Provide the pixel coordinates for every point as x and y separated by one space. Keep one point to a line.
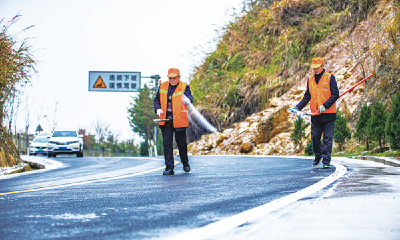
362 125
342 131
376 124
144 149
160 148
141 114
309 148
299 132
393 124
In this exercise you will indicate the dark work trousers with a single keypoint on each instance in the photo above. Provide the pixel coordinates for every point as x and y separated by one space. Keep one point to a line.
180 138
317 128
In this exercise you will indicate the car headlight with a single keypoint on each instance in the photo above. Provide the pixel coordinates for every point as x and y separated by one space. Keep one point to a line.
72 142
53 142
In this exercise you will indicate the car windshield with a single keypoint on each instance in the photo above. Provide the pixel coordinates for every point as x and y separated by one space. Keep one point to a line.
64 134
40 140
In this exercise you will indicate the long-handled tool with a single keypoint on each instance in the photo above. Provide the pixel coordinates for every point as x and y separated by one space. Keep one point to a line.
318 112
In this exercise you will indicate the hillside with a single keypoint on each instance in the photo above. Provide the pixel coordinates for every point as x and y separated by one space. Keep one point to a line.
258 123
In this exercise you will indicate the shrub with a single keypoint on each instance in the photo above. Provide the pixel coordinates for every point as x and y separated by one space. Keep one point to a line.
376 124
342 131
309 149
392 128
299 132
144 151
362 124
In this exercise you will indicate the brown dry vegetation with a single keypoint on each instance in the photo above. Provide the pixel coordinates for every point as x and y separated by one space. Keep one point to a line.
16 67
267 50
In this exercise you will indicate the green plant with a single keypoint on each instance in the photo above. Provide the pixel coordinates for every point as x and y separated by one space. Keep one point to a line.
376 124
309 148
160 148
342 131
233 96
362 124
299 132
144 150
141 114
392 128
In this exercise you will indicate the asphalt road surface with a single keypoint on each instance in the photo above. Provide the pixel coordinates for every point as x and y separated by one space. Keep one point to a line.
129 198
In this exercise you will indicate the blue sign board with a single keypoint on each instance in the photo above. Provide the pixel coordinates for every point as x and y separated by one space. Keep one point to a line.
114 81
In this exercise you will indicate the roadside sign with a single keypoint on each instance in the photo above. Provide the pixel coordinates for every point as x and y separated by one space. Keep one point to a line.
114 81
99 83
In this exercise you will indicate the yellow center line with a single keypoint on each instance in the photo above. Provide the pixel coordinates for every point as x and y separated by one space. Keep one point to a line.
87 182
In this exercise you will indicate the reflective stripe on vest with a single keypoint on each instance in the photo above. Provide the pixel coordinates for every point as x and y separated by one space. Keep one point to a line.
179 109
320 92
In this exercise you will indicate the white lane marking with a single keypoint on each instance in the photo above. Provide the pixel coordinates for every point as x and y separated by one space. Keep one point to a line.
251 215
87 182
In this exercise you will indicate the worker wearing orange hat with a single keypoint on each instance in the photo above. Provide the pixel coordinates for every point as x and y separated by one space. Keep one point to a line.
171 100
322 93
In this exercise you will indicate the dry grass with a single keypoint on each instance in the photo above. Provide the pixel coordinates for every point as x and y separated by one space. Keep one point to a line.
263 53
9 155
24 169
16 68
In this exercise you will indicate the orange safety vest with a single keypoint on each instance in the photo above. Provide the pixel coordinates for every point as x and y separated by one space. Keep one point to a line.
320 92
179 109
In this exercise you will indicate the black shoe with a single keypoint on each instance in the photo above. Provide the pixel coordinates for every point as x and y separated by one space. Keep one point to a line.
317 161
168 171
186 168
327 165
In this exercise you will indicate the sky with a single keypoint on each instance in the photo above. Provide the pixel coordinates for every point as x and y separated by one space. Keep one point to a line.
72 37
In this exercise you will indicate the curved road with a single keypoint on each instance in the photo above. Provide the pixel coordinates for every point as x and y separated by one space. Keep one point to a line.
129 198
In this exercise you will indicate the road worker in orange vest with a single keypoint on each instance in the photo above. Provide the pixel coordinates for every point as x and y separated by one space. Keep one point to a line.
171 101
322 93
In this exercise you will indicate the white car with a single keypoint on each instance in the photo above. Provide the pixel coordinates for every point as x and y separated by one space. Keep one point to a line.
38 145
65 141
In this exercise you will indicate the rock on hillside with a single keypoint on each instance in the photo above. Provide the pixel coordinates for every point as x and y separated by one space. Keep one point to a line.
268 131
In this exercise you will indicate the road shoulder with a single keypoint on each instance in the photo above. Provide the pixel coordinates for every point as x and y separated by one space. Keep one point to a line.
364 204
42 163
46 162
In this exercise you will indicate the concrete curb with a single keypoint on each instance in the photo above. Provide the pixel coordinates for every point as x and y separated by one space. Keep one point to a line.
41 162
34 165
385 160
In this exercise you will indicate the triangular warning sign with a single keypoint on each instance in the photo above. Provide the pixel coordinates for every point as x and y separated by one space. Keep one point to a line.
99 83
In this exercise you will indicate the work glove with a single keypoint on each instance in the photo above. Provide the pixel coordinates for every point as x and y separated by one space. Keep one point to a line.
294 110
321 108
159 111
185 100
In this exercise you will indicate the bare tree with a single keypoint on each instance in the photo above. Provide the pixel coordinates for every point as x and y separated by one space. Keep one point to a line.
28 121
52 125
359 54
101 130
117 134
12 111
